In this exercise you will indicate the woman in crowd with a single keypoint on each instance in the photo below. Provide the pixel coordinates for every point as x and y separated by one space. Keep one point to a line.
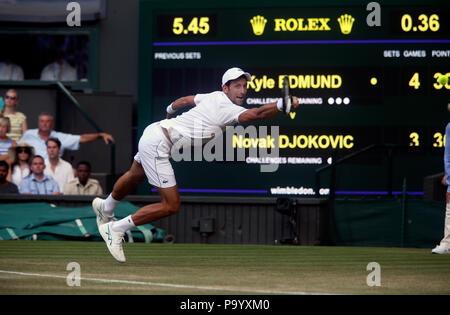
18 120
21 156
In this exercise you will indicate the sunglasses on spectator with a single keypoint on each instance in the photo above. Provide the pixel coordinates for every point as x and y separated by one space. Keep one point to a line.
10 97
23 151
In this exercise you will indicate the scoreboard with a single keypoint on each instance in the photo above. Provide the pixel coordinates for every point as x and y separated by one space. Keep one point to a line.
364 74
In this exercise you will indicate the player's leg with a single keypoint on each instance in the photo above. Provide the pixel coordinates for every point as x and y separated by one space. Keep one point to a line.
161 176
128 181
169 205
148 145
152 160
104 208
113 232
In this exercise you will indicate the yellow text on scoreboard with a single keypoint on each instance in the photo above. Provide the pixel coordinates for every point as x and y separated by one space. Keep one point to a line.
296 141
307 81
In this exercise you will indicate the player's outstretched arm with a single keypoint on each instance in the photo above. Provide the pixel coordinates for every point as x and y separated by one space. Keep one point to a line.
263 112
179 104
183 102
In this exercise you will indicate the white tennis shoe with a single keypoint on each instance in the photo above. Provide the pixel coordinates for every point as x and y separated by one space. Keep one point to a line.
113 241
440 250
97 206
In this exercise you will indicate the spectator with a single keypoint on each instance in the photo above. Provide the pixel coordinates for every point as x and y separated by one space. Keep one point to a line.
55 167
60 70
20 156
18 120
83 185
37 183
10 71
5 141
37 137
6 187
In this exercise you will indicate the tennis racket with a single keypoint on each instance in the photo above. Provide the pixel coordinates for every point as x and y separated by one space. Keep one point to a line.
286 96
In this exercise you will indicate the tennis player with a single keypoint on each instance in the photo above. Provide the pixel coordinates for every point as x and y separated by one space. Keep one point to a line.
211 112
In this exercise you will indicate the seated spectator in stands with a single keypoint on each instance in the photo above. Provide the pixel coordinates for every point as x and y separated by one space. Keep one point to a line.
20 156
55 167
5 141
37 183
6 187
83 185
59 70
17 119
10 71
37 137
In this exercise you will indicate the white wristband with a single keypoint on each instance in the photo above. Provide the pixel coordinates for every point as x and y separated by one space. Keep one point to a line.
170 110
280 104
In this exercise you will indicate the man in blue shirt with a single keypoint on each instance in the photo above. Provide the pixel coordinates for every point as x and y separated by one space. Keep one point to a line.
37 183
444 246
37 137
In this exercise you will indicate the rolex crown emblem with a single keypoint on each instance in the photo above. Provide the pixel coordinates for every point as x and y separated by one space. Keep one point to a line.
258 23
346 23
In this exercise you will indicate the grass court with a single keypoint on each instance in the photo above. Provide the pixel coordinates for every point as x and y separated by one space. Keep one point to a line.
40 267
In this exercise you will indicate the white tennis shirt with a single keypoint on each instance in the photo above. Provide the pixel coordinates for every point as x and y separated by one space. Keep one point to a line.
213 112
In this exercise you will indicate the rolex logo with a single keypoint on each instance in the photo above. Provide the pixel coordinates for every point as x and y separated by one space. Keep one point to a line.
346 23
258 23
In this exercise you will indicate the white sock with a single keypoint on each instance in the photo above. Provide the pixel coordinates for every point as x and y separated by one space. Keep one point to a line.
123 225
109 204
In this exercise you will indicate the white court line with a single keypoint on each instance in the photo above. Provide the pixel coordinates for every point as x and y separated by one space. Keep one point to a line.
169 285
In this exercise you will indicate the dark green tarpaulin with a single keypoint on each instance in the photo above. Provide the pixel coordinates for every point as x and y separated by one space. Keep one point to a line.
381 222
49 222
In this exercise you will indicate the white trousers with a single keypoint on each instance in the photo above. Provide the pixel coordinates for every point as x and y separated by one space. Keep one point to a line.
446 240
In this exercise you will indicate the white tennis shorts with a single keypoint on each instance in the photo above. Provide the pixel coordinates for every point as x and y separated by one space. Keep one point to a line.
153 154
